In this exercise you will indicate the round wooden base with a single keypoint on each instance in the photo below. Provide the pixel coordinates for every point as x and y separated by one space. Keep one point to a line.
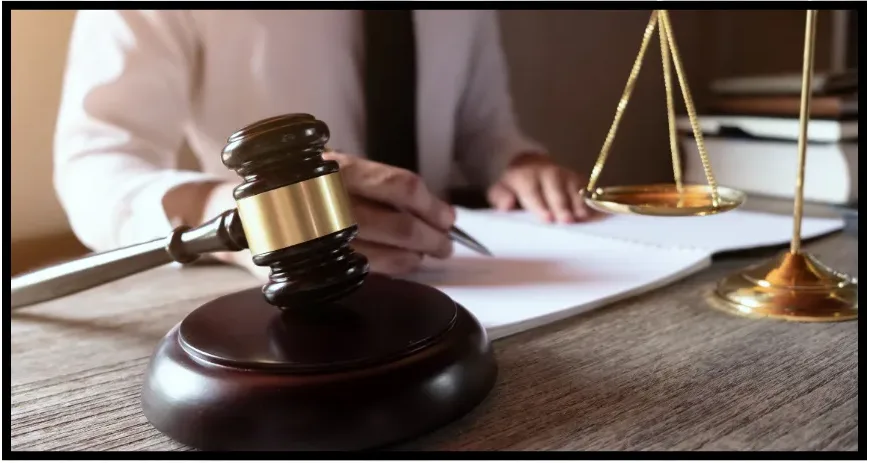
391 361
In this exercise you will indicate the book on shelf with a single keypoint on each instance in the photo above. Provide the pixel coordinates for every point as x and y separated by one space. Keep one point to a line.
759 155
838 107
769 168
775 128
823 83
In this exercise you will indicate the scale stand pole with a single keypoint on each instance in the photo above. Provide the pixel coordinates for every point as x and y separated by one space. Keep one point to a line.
795 286
806 98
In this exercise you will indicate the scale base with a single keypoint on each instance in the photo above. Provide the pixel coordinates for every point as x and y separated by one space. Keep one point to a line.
663 200
391 361
792 287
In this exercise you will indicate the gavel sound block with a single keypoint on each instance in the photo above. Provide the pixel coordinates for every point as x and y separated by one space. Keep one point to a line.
325 356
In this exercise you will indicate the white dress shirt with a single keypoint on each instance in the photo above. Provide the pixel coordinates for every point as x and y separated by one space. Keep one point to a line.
140 83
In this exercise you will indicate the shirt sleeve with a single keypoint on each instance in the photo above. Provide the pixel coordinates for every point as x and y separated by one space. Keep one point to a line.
124 105
488 136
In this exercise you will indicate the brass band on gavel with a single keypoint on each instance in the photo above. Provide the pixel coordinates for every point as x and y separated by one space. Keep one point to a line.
295 214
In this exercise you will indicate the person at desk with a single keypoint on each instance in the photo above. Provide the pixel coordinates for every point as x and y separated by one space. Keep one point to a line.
401 91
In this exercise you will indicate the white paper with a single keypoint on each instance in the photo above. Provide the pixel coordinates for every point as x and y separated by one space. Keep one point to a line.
730 231
541 274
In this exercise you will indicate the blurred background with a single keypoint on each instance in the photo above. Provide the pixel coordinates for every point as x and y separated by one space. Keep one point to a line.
568 71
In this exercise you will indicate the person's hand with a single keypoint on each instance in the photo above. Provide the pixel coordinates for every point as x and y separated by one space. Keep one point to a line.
400 220
539 185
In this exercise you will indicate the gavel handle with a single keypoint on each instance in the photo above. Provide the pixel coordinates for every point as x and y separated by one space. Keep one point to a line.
183 245
86 272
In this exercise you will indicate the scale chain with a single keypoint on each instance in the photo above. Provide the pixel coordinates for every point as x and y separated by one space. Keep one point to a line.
690 108
623 103
660 18
669 95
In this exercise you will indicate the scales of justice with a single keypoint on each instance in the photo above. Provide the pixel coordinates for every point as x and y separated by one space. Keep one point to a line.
329 356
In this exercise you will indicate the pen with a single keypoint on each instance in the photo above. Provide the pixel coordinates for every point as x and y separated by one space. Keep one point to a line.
463 238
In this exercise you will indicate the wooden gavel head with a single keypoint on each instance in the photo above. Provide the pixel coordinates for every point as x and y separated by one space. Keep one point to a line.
295 210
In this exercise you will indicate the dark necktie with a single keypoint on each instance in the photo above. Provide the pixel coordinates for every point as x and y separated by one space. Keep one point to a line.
390 80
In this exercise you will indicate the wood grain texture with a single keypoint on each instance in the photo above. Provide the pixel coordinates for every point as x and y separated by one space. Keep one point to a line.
661 371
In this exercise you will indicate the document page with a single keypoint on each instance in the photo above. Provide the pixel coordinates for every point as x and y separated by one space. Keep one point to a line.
731 231
540 273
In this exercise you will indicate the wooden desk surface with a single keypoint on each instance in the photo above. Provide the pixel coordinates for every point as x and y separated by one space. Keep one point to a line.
658 372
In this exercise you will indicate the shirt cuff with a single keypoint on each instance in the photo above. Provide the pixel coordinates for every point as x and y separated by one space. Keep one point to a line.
511 147
147 217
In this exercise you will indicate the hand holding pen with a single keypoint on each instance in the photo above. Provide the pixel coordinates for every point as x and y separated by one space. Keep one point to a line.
400 220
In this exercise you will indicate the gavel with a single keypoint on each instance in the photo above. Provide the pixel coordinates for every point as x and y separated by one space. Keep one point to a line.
293 213
326 355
